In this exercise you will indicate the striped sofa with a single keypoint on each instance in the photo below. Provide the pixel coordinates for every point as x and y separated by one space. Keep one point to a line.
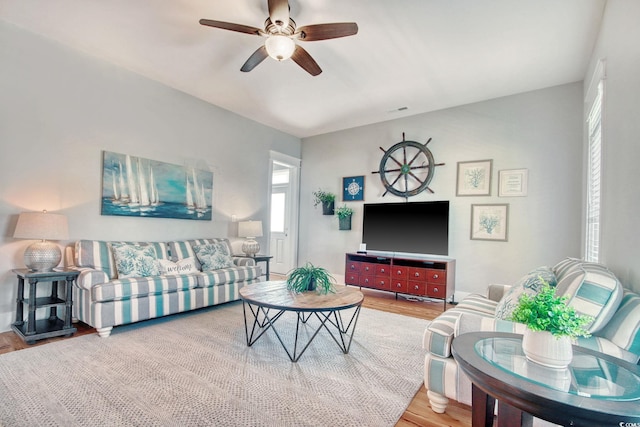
591 288
103 300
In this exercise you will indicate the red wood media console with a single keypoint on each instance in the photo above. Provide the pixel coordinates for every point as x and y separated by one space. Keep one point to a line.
420 276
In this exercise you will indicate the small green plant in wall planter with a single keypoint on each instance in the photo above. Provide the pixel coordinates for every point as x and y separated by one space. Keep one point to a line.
344 214
310 278
326 199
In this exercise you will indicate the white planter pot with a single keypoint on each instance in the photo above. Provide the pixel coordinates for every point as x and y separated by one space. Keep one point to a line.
543 348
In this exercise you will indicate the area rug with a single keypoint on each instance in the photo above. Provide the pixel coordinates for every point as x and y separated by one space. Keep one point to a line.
195 369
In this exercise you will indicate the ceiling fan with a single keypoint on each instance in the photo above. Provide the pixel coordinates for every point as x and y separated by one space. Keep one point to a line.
281 33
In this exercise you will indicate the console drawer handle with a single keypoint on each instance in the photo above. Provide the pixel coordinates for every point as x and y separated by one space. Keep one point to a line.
417 274
382 270
435 276
435 289
416 287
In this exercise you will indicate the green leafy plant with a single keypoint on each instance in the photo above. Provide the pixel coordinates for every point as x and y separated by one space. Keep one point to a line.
344 211
546 312
309 278
321 196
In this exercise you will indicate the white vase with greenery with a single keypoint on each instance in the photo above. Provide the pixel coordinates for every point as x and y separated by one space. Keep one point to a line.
552 325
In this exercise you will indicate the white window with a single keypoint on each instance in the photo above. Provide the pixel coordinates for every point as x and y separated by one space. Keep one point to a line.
594 165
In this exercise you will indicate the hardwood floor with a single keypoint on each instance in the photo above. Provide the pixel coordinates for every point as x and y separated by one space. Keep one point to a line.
418 413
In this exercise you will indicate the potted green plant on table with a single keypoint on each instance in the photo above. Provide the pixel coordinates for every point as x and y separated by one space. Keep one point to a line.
344 214
552 325
326 199
310 278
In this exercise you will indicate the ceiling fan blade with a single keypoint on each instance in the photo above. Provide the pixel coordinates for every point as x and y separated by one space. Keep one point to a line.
256 58
231 26
303 59
311 33
279 12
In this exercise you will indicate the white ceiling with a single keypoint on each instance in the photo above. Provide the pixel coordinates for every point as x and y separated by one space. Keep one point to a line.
425 55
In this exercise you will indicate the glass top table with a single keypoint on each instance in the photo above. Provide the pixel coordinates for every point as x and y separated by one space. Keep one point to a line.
594 390
589 374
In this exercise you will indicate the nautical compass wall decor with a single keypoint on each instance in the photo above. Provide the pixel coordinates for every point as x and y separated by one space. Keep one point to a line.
407 168
353 188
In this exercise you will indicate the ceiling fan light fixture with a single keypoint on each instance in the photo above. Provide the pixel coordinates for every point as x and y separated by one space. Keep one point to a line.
280 47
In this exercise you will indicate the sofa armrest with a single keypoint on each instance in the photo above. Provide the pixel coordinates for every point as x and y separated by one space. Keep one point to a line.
243 261
89 277
495 292
471 322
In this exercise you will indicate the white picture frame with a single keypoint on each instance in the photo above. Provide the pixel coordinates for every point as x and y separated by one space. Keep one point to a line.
513 182
490 222
474 178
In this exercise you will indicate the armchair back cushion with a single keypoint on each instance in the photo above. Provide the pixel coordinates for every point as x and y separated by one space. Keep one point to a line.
593 291
624 327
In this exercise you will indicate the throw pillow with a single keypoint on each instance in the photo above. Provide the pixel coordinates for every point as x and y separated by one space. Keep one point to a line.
529 284
183 266
593 291
134 260
213 256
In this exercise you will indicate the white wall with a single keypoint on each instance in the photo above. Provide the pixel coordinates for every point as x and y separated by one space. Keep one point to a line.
60 109
618 45
540 131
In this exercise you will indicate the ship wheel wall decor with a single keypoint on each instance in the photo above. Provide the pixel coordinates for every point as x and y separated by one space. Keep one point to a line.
407 168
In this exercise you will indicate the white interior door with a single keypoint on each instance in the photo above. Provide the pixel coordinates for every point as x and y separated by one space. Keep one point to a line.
283 214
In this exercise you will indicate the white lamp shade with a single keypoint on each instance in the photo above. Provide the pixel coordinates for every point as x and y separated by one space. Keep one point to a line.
42 256
250 229
280 47
41 226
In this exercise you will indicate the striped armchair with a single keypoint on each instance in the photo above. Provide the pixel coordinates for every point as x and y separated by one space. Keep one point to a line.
160 279
591 288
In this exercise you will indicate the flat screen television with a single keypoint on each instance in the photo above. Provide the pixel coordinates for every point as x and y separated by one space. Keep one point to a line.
414 227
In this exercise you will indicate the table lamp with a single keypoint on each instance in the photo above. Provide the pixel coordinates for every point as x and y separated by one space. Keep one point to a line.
43 255
250 230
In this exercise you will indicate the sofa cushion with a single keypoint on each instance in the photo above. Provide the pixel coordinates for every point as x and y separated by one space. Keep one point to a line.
128 288
213 256
593 291
134 260
183 266
97 254
529 284
184 248
624 327
228 275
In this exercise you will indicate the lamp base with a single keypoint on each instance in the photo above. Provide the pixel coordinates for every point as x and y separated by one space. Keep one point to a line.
250 247
42 256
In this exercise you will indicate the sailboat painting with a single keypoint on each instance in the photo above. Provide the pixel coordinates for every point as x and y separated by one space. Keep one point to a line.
134 186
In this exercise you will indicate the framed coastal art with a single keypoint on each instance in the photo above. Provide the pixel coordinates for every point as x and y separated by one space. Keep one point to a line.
490 222
352 188
474 178
513 182
135 186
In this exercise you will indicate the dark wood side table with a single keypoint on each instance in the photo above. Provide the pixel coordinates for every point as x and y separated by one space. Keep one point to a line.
266 259
595 390
32 329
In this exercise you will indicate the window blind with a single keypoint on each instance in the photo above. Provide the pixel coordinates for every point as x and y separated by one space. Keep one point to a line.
594 177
